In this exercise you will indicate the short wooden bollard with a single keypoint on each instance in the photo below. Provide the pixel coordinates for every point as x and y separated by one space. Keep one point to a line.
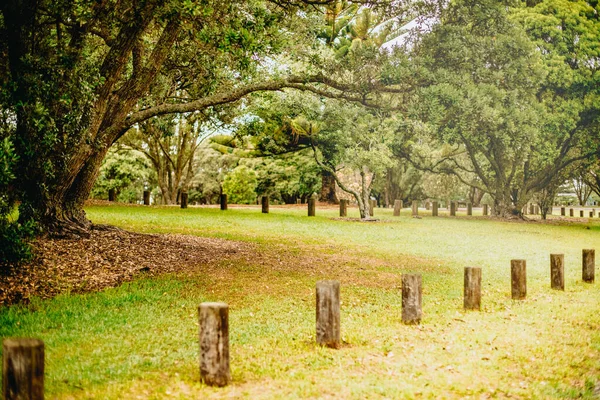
563 211
214 344
146 197
223 201
415 208
265 204
311 206
472 292
469 209
184 199
557 271
581 213
328 313
536 210
571 212
518 281
22 369
427 205
372 207
588 264
434 209
412 298
531 209
485 209
453 209
591 214
343 208
397 207
112 195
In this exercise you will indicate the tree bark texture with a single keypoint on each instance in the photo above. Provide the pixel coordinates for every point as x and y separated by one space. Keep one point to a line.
328 194
588 265
265 204
518 272
472 291
412 293
311 207
214 344
397 207
22 369
557 271
328 313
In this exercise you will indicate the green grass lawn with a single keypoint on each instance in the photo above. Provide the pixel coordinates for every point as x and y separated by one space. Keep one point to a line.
140 340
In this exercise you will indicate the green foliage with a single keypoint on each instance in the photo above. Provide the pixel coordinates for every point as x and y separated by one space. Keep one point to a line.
240 185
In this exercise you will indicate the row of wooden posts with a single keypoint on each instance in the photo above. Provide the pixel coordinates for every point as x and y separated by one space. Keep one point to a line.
23 358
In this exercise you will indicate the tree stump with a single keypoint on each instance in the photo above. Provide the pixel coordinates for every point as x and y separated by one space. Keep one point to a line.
453 209
265 204
397 207
146 197
434 209
415 208
184 199
562 211
557 271
518 279
343 208
485 209
328 313
22 369
588 265
311 207
469 209
571 212
412 294
223 201
214 344
472 292
112 195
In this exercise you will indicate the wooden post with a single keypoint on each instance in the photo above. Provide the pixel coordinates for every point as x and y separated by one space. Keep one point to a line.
557 271
453 209
588 263
146 197
562 211
397 207
531 209
581 213
485 209
469 209
591 214
472 292
412 298
427 206
518 279
328 313
184 198
223 201
311 206
415 208
343 208
571 213
112 195
434 209
22 369
536 210
371 207
265 204
214 344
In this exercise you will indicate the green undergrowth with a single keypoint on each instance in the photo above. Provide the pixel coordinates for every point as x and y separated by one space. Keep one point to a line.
139 340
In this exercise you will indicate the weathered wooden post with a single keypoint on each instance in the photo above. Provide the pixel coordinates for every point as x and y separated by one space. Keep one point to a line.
427 206
453 209
184 199
588 264
485 209
591 214
571 212
562 211
265 204
415 208
581 213
557 271
397 207
531 209
434 209
343 208
469 209
328 313
536 210
112 195
472 292
146 197
412 298
518 280
22 369
371 208
214 344
311 206
223 201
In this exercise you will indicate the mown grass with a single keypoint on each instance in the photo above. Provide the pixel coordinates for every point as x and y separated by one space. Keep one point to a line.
140 340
